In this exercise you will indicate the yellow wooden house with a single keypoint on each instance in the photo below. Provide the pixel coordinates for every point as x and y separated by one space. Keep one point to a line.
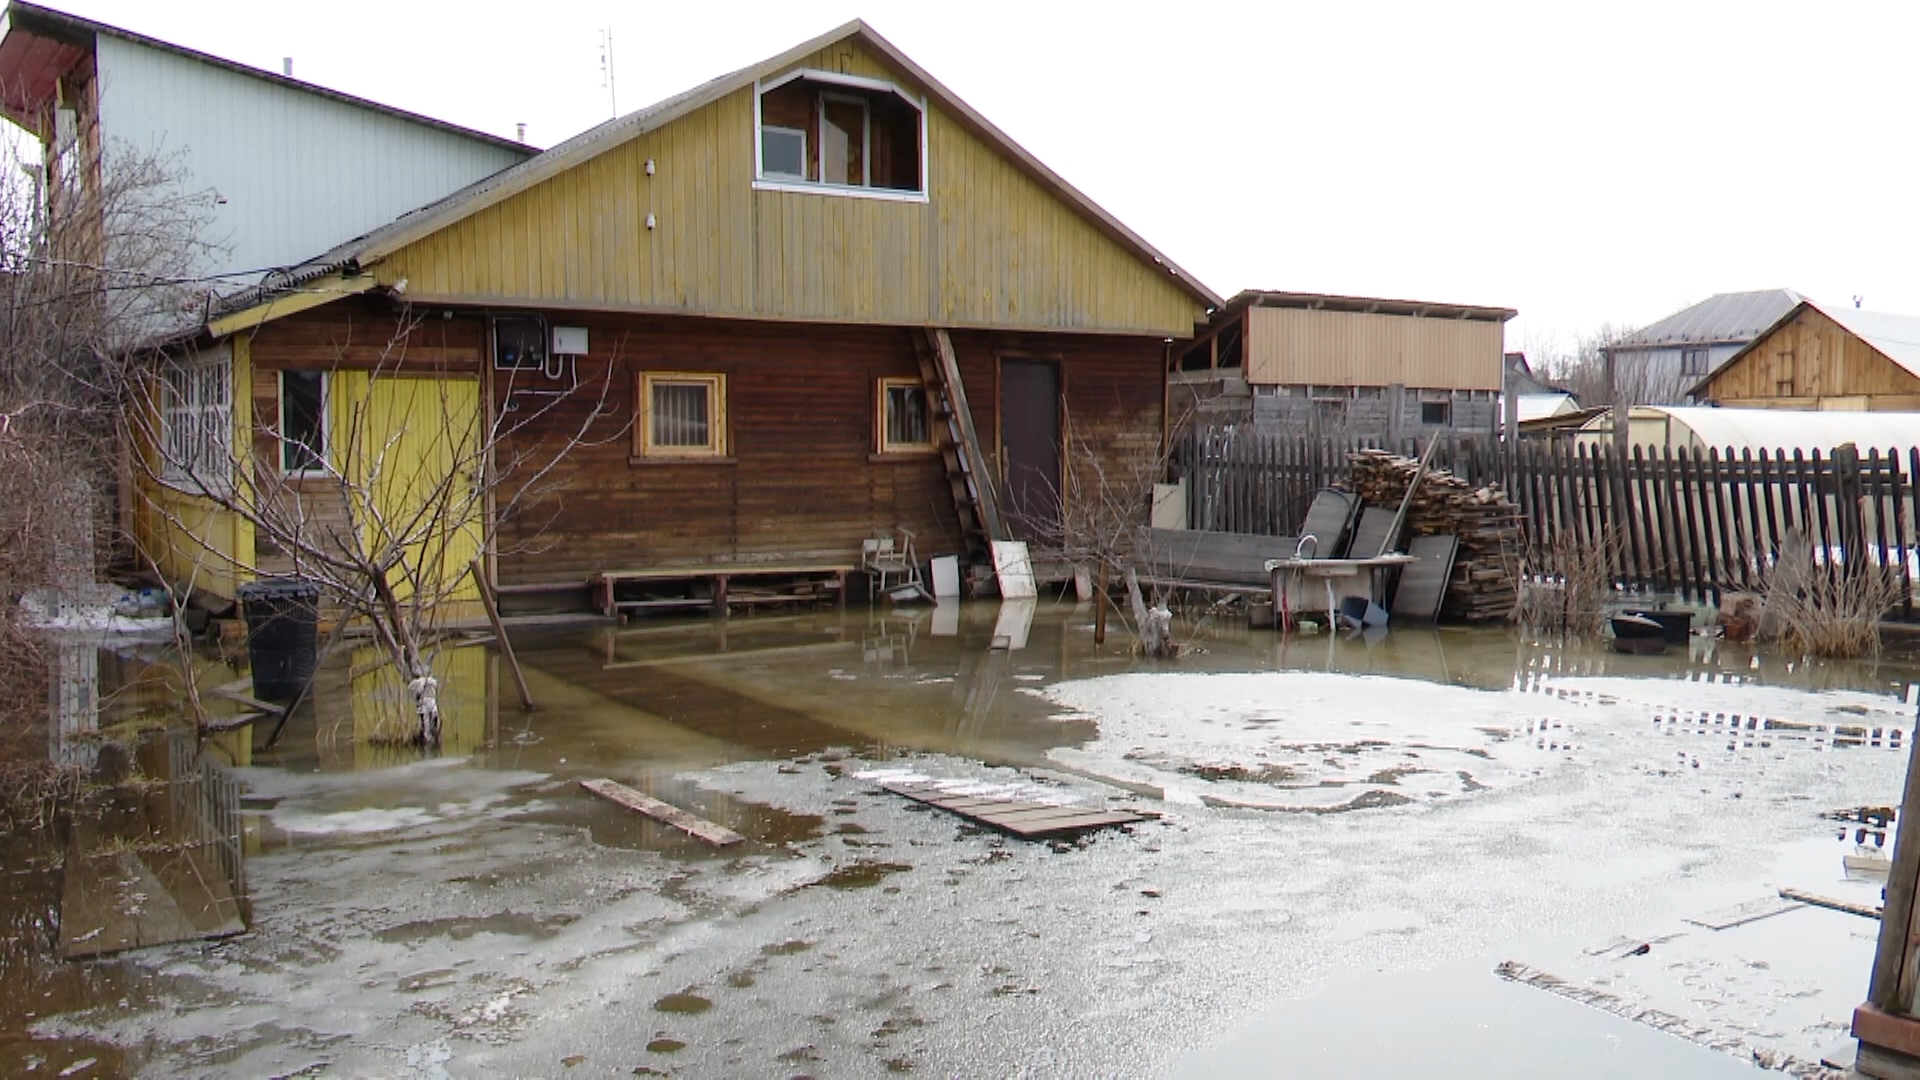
814 301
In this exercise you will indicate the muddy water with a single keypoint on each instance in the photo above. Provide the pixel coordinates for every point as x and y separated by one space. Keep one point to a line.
1332 809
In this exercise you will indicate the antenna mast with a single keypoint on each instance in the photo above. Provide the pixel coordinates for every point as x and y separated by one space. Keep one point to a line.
606 70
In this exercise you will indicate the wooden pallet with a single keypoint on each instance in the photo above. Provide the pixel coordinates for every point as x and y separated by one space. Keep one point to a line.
1023 818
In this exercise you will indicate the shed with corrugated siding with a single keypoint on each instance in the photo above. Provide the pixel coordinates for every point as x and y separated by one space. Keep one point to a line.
1350 364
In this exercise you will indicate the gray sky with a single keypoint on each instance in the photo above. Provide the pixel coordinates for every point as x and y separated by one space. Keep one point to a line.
1583 163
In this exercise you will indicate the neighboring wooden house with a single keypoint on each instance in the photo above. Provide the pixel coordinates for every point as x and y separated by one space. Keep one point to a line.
1656 363
757 299
1347 365
1823 358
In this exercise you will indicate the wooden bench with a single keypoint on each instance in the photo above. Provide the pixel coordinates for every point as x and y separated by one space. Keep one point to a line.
1216 561
606 582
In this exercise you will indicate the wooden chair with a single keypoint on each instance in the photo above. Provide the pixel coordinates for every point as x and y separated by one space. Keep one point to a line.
891 563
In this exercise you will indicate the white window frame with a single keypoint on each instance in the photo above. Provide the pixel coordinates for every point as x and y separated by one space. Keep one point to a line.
716 385
321 451
866 139
196 423
763 182
882 413
801 176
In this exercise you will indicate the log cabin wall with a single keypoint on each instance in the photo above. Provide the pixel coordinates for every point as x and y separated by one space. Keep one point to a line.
802 479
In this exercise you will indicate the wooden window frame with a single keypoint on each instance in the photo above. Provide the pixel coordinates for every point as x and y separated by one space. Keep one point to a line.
887 447
320 452
718 443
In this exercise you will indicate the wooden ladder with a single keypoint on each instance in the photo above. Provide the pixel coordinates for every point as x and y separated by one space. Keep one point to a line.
967 475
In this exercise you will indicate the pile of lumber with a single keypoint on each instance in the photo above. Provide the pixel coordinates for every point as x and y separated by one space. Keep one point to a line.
1484 586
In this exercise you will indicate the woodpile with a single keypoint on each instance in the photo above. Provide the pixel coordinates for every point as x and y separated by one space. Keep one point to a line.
1485 582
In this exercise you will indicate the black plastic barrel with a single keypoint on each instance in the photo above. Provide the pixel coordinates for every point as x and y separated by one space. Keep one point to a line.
283 620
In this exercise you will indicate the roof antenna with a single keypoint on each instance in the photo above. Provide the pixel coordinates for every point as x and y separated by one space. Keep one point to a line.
1856 299
606 70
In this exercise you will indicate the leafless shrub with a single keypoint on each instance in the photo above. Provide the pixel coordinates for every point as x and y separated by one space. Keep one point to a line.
1824 607
87 270
1101 526
1566 590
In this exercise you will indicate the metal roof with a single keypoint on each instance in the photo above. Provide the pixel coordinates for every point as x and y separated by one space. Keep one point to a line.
1370 305
598 140
39 44
1720 319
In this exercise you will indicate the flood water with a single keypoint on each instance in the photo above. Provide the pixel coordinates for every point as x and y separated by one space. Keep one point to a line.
1338 827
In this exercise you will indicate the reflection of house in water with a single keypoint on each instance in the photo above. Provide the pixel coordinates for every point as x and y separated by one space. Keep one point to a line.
162 860
380 709
73 691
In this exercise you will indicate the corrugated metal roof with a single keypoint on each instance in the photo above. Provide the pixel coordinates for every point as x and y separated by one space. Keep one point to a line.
1721 319
589 144
1368 305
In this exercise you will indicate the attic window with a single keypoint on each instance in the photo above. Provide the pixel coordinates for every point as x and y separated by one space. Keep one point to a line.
844 134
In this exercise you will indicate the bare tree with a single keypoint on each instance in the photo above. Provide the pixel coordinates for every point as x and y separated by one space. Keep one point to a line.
120 258
1583 369
387 515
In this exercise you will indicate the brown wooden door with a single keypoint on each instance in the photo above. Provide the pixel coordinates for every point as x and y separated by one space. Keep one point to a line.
1030 445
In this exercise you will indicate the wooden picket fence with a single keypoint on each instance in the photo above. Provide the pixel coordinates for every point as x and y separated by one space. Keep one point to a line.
1693 523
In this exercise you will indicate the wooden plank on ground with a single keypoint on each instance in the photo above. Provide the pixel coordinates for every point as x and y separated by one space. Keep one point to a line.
1026 819
1830 903
1727 918
622 795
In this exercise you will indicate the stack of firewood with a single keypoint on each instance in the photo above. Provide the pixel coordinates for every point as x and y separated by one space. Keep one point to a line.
1484 586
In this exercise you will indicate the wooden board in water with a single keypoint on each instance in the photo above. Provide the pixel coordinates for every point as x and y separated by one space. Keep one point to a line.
1024 818
622 795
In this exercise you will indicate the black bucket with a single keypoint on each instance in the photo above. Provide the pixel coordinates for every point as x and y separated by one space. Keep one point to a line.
1676 625
283 622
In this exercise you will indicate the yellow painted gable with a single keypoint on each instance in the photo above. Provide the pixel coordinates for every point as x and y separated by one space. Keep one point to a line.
990 247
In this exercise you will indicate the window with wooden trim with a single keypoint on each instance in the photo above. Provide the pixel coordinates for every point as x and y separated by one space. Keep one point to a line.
303 422
196 421
1693 361
906 417
681 415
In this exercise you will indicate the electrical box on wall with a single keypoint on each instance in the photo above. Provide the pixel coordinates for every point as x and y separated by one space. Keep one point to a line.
519 342
570 341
